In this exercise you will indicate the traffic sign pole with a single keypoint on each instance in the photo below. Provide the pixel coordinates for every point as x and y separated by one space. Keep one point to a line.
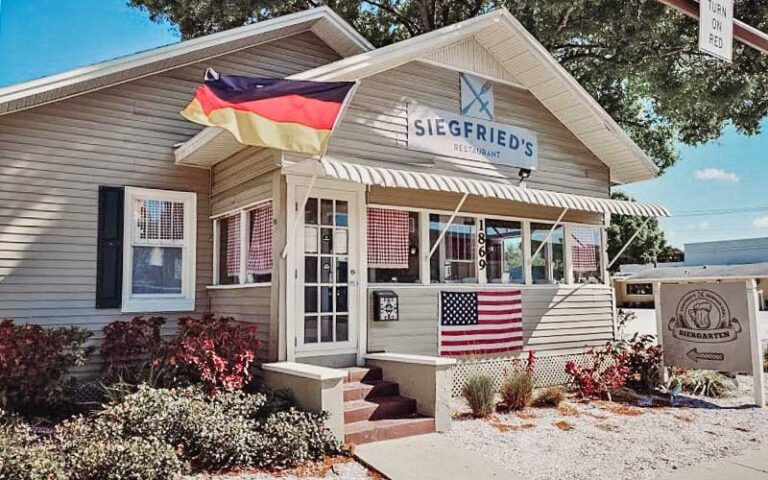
757 347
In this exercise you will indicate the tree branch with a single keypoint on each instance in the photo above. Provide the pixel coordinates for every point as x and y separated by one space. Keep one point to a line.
403 19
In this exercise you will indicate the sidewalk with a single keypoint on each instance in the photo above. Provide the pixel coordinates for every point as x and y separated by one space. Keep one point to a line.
752 466
429 457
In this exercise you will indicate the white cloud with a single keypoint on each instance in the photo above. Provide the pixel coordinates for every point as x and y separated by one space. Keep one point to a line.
760 222
704 225
716 174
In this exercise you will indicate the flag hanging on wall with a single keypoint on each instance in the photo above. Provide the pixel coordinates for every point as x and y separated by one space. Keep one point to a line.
291 115
479 323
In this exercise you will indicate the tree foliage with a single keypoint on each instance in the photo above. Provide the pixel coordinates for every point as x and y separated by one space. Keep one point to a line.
638 58
645 249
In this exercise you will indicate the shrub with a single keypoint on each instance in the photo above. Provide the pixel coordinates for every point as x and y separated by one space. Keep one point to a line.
479 393
92 451
606 374
550 397
216 351
707 383
22 458
33 362
643 361
228 430
125 342
517 388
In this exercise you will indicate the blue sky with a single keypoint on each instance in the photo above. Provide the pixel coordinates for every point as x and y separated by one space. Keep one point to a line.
41 37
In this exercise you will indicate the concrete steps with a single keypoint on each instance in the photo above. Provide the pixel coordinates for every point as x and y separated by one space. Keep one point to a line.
374 410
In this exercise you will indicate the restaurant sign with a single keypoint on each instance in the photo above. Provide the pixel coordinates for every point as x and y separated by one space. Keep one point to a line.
445 133
706 326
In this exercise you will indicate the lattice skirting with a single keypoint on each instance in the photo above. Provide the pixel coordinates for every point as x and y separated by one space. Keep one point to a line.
547 372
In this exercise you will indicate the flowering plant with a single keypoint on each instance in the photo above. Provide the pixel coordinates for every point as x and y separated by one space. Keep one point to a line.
217 351
606 373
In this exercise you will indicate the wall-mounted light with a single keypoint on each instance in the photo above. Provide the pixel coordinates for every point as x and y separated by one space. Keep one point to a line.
524 174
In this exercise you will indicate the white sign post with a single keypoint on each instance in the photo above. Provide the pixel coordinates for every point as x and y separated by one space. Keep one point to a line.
711 326
716 28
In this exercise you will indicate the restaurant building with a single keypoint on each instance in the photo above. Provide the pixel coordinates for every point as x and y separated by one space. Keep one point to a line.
468 160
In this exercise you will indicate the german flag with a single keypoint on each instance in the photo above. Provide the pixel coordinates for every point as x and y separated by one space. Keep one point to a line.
291 115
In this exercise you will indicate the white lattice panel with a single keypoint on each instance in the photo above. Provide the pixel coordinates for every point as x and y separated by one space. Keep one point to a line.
548 370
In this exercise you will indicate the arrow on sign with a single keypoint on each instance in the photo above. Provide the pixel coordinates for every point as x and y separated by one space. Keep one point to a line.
695 355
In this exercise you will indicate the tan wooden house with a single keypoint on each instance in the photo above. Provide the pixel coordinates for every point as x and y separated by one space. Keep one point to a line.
113 205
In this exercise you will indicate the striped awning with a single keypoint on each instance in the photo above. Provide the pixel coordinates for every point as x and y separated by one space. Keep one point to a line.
388 177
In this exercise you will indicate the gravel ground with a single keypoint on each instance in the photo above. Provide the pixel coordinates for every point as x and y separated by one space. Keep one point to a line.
341 470
616 441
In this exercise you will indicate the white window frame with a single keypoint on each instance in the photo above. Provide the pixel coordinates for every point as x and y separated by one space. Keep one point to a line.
244 213
157 302
526 222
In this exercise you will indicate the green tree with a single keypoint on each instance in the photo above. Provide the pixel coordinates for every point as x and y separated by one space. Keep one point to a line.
638 58
645 249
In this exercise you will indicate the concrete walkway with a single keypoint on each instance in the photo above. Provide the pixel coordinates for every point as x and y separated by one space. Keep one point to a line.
429 457
752 466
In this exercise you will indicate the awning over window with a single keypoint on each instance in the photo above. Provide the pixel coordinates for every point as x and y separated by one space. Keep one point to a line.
387 177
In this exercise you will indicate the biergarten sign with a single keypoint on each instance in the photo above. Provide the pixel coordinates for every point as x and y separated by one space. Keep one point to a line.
711 326
452 134
716 28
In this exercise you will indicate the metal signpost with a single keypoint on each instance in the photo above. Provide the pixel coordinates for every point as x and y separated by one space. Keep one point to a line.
711 326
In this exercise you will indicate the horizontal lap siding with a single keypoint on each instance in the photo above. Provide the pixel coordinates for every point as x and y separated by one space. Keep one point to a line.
557 320
53 159
375 129
250 305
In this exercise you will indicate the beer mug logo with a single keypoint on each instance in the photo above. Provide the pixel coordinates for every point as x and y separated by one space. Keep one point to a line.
703 316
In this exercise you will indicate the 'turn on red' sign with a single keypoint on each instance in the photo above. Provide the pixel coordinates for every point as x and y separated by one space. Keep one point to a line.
716 28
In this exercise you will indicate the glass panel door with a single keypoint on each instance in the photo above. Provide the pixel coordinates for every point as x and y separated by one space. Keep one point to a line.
326 272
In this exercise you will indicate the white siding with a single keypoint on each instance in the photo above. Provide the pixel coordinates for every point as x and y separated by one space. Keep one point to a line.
374 129
557 320
53 159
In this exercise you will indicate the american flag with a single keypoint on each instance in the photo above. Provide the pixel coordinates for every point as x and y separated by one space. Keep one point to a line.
479 323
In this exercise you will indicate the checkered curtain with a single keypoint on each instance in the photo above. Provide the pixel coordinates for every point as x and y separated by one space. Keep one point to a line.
233 245
159 221
260 247
585 249
387 238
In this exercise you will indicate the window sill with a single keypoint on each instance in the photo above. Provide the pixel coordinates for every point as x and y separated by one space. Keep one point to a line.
239 286
159 305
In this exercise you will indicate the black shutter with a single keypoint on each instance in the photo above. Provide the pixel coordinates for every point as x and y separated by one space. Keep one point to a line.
109 257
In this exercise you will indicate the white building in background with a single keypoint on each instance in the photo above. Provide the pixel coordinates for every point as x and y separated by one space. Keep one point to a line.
741 259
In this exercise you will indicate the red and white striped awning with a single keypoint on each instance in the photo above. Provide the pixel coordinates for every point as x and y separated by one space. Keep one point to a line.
388 177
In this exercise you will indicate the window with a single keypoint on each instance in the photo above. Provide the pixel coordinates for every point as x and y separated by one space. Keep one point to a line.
548 265
248 231
160 251
393 246
454 260
639 289
504 251
229 249
586 250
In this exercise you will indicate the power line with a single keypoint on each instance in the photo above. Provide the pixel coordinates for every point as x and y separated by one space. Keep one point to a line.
724 211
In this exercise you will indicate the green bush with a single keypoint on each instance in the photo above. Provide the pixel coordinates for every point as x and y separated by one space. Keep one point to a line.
550 397
23 458
479 393
228 430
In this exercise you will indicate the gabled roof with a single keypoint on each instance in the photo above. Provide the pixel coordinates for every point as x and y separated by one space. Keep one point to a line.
322 21
518 51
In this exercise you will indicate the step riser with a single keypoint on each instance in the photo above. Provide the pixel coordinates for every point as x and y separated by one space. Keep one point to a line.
364 374
365 392
376 434
402 409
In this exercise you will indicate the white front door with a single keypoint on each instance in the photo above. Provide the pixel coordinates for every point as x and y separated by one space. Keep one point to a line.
327 271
